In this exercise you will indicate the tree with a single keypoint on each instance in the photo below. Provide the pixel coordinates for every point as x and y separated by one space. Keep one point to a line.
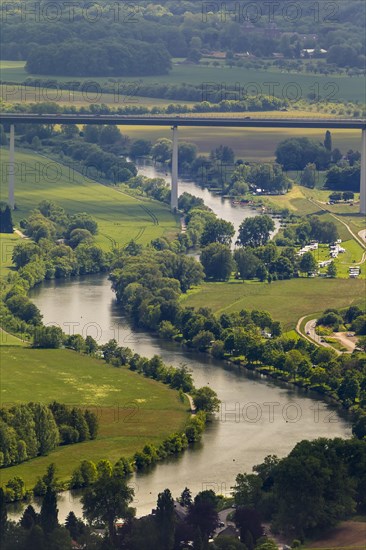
48 337
308 263
203 514
186 497
162 150
109 135
30 518
78 236
6 222
205 399
348 195
217 261
359 427
74 525
165 519
361 343
308 176
91 345
69 130
328 141
49 511
249 521
296 153
3 138
106 500
36 143
218 231
187 153
3 516
202 340
92 422
140 148
46 428
349 388
255 231
247 262
332 270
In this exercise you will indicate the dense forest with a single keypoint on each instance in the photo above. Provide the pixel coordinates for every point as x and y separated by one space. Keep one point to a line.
123 40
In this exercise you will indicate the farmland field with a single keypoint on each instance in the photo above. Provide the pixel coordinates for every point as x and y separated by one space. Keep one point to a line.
120 217
132 409
333 87
287 301
252 144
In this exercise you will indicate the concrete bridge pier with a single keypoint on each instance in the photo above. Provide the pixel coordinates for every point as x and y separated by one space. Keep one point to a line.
174 188
363 174
11 199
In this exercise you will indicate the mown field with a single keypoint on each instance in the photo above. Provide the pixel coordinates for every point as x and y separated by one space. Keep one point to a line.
132 409
287 301
300 85
120 216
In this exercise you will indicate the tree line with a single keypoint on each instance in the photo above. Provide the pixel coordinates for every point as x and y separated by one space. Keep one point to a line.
318 484
33 429
182 31
62 246
107 58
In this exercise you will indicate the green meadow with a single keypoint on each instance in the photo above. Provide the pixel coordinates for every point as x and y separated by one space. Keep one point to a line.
287 301
334 87
7 243
132 409
120 216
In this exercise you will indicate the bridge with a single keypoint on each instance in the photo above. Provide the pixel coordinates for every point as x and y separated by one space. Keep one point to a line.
183 120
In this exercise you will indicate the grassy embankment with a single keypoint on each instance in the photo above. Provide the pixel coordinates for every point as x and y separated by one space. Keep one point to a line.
132 410
120 217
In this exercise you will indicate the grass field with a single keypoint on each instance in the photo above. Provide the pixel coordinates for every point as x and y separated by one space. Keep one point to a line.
132 410
252 144
7 339
31 94
7 243
348 535
333 87
287 301
120 216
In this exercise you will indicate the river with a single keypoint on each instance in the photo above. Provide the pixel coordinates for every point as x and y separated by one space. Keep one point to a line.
223 207
258 416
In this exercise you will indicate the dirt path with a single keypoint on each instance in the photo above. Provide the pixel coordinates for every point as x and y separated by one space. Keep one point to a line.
191 403
18 232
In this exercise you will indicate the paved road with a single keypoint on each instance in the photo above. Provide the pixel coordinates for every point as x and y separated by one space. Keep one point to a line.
312 336
182 120
360 238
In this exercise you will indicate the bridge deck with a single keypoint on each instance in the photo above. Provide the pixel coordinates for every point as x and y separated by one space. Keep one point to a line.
160 120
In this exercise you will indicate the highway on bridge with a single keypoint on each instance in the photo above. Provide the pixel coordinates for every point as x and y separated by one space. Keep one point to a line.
168 120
